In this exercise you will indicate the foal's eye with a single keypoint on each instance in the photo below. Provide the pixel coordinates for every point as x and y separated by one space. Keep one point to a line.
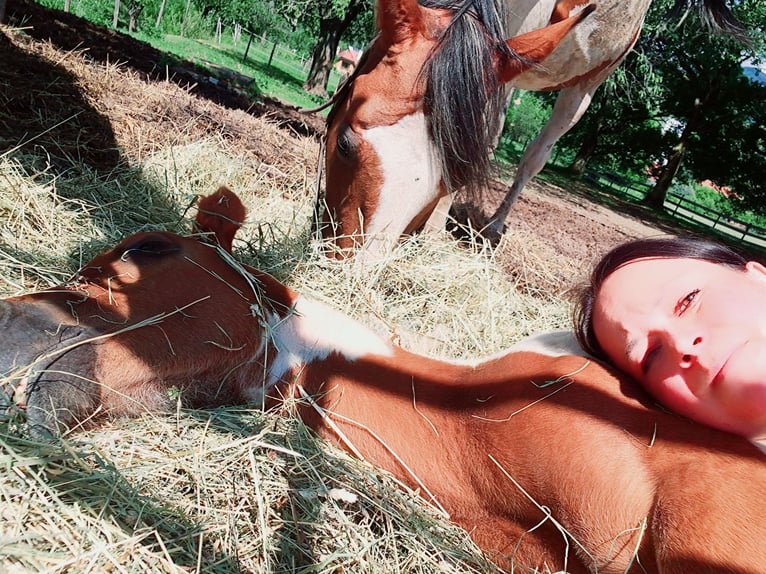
685 302
151 244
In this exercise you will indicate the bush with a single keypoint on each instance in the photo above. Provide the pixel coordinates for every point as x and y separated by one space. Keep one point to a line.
97 12
527 113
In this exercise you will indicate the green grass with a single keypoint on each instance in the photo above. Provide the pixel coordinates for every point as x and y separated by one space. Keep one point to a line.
282 79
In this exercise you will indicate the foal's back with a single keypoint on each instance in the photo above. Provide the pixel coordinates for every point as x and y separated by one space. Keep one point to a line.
643 490
555 463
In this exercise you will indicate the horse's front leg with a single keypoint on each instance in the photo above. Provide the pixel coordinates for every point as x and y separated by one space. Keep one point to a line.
570 105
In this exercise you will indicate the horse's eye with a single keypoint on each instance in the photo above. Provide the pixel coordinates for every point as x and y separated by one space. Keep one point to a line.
148 244
346 143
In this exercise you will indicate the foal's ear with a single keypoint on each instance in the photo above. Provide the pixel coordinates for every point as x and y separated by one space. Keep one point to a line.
222 214
398 20
533 47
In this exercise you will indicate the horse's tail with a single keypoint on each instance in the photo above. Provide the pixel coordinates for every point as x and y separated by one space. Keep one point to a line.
716 15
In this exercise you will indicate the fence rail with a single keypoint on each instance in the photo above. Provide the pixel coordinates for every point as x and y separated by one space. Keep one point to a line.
684 208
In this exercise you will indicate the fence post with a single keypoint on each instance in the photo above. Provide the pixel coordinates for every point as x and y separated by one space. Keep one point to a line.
271 56
247 49
678 204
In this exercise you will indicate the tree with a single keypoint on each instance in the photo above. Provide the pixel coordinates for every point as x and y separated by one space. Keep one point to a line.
257 16
134 8
729 146
328 20
701 74
680 100
619 128
331 28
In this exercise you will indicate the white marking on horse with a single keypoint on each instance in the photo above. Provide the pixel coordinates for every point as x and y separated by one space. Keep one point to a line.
551 344
313 331
410 169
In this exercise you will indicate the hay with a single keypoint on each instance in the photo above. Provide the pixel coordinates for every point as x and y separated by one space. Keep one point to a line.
218 491
227 490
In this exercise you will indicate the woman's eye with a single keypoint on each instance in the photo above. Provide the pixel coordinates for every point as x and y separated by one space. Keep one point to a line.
646 362
686 301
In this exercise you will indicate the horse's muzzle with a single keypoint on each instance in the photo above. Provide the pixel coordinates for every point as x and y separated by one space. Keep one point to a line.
45 366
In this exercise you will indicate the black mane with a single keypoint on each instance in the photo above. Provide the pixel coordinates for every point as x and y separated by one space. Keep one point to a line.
463 101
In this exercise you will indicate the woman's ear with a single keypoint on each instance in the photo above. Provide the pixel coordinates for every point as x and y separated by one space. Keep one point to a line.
756 270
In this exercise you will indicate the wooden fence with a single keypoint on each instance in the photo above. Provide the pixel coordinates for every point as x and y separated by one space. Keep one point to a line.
684 208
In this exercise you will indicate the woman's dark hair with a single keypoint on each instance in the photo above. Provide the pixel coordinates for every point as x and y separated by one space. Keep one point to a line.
662 247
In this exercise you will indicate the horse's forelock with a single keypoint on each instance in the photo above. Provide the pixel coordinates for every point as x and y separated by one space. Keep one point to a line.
462 98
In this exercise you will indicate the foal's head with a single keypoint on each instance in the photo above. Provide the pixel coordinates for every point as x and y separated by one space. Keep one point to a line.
156 318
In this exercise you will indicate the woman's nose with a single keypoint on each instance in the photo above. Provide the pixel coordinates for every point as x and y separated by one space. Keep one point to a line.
687 349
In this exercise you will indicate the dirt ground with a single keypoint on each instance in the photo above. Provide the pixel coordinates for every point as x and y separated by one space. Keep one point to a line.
48 73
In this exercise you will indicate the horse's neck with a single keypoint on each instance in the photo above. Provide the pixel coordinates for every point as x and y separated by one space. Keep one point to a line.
314 343
323 353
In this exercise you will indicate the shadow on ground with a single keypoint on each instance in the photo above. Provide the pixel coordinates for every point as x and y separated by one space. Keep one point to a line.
70 32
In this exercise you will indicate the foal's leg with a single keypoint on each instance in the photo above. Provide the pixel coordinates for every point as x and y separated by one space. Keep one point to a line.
518 550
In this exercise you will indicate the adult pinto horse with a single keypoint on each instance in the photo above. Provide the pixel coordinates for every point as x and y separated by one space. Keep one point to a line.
548 459
418 118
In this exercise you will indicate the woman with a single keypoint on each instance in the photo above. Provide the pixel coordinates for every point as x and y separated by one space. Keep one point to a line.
686 318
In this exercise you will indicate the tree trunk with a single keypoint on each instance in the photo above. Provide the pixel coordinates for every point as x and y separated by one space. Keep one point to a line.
116 14
656 196
160 14
134 12
600 106
323 54
67 6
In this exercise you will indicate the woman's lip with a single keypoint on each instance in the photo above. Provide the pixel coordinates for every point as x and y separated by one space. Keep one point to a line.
720 371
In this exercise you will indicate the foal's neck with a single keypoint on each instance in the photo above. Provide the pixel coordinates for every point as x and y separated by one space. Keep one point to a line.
310 331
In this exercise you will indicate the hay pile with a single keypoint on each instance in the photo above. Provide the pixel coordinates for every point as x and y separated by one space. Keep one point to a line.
229 490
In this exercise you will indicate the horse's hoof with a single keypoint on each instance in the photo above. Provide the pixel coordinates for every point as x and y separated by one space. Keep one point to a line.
492 234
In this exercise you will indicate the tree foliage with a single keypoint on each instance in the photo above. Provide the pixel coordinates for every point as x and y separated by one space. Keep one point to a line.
681 99
527 114
333 18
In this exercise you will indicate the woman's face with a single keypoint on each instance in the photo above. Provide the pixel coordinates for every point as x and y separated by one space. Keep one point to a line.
694 333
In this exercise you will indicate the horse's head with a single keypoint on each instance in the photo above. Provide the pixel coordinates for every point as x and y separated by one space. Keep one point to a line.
118 338
417 118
